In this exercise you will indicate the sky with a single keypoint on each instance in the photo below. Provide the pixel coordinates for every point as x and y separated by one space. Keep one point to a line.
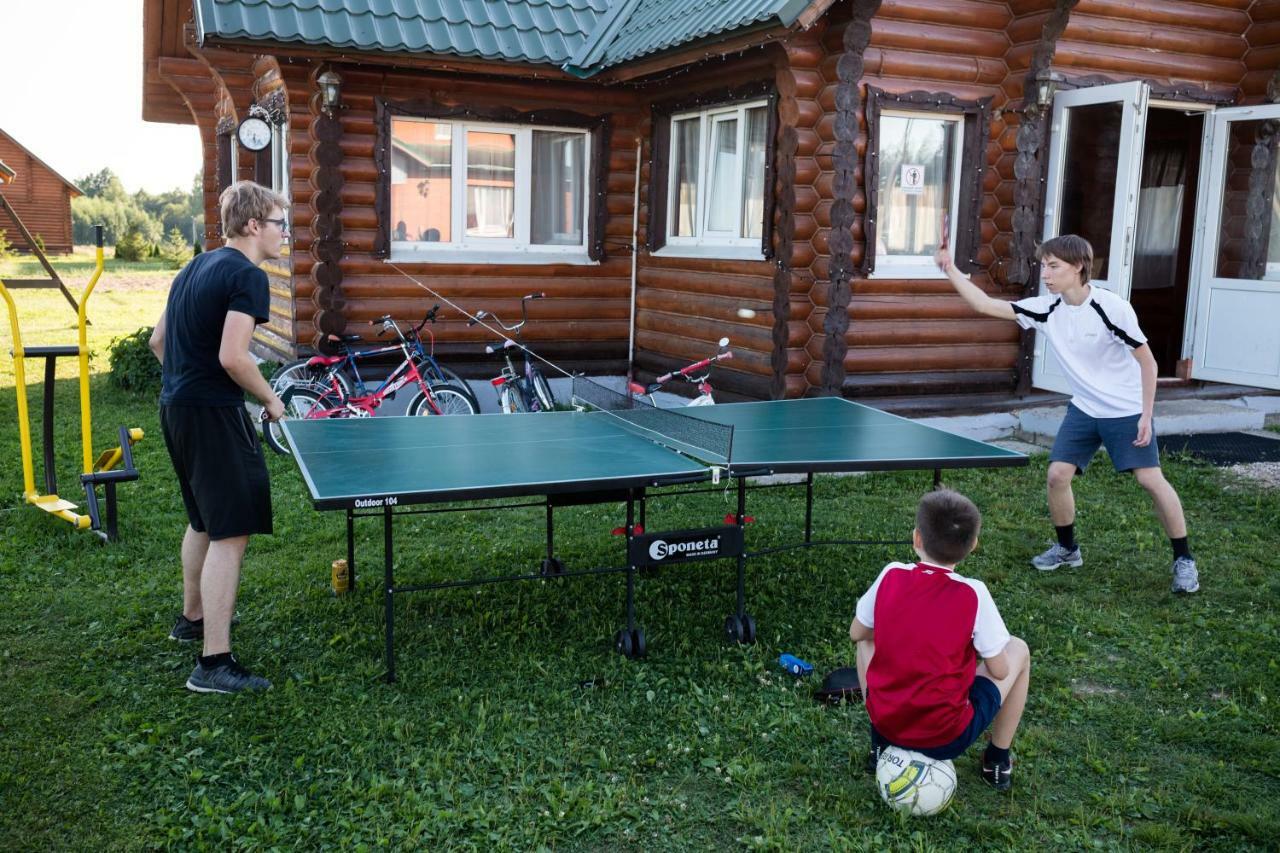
72 72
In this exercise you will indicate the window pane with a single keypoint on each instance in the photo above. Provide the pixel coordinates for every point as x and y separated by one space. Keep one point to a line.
491 184
753 173
421 180
685 158
1091 156
1249 231
558 188
722 212
915 187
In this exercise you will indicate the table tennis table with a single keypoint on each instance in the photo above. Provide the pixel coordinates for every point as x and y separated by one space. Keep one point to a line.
390 466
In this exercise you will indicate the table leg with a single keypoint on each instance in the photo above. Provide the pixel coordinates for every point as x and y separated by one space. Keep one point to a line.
631 570
808 509
388 592
937 479
351 550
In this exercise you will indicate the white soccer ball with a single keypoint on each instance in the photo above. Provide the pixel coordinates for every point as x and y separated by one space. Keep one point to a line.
911 782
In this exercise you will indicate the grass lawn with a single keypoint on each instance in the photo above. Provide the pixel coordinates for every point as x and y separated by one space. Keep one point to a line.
1153 720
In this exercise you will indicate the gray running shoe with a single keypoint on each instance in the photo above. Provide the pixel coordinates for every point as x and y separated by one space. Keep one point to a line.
228 678
185 630
1057 556
1185 576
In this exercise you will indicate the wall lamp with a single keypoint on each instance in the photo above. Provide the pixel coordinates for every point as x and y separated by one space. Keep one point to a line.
330 83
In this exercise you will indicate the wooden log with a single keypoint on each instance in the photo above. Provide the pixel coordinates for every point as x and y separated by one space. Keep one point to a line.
926 307
954 13
913 333
922 358
1116 60
1163 37
932 383
1226 17
941 37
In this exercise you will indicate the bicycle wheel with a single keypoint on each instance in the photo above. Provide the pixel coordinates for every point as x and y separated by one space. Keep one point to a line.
448 377
542 391
449 399
299 404
300 373
510 400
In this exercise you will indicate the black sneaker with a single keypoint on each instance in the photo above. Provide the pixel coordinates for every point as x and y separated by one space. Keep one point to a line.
998 776
185 630
230 677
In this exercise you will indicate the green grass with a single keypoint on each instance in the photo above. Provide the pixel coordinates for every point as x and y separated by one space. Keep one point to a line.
79 263
1152 722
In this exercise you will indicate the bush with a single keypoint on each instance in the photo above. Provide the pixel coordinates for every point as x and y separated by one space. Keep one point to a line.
39 241
134 367
6 248
174 250
132 247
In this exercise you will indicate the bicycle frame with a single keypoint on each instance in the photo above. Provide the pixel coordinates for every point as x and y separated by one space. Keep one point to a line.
347 359
688 374
364 405
524 382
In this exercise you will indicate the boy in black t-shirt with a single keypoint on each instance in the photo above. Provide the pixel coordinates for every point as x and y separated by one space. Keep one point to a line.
202 340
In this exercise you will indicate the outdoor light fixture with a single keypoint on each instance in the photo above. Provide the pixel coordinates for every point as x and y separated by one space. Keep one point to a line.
1044 91
330 91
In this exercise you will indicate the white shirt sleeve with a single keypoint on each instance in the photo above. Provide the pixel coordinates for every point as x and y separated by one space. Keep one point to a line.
990 636
1028 312
865 612
1127 320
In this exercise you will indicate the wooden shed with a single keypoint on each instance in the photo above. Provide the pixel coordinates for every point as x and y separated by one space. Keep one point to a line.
774 171
39 195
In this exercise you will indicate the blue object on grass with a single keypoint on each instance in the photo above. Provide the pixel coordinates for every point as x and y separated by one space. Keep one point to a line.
794 665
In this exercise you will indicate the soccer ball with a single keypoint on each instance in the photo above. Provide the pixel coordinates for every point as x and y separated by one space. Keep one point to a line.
911 782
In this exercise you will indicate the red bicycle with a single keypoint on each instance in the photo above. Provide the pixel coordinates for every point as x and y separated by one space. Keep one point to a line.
327 398
698 373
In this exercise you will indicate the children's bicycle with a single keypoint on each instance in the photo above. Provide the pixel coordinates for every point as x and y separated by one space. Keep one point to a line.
698 373
345 365
524 390
326 399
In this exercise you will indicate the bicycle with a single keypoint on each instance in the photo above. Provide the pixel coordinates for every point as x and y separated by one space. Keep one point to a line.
327 400
524 390
312 371
686 373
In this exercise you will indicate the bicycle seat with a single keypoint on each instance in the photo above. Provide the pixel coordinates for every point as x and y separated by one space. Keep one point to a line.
324 360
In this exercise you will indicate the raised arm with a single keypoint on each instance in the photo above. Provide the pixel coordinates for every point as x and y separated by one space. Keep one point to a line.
970 292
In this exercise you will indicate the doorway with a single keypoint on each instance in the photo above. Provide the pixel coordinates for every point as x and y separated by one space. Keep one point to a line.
1164 230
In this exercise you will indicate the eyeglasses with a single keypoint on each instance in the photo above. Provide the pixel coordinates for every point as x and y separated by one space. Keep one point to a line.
282 223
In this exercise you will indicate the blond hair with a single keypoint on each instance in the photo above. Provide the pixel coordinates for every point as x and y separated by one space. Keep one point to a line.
245 200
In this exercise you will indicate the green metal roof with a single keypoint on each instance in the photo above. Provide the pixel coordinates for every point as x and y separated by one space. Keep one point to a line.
582 36
542 31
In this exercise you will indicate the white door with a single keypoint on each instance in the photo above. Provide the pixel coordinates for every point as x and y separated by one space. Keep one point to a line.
1237 317
1095 167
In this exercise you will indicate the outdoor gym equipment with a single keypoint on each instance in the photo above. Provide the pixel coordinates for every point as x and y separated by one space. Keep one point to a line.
104 470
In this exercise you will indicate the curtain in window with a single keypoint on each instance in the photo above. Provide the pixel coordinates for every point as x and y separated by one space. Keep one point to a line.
753 175
558 188
909 215
1164 179
722 211
421 180
491 181
685 158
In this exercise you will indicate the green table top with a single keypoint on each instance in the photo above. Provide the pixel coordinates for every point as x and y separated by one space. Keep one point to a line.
371 462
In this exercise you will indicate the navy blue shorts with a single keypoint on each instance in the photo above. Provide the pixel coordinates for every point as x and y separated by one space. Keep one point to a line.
984 696
1080 436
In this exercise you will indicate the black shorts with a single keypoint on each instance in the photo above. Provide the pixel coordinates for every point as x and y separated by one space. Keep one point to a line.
984 696
221 471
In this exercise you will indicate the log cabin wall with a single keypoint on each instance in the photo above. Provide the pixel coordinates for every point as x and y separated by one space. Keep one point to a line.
684 305
582 325
40 197
1261 82
886 336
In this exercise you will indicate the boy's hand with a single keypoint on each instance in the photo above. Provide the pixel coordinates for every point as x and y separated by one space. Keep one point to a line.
1144 431
273 410
942 258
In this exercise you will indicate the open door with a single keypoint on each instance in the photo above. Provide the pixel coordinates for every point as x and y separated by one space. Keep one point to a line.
1094 170
1237 334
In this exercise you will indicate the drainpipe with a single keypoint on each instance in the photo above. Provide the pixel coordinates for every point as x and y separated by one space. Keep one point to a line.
635 254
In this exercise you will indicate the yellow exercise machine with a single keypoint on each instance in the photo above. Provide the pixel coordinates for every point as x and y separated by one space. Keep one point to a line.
104 470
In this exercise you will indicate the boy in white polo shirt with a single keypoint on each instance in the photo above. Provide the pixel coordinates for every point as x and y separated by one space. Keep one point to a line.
1112 373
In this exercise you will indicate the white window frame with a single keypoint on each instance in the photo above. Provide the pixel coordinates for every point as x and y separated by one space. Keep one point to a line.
516 249
922 266
704 241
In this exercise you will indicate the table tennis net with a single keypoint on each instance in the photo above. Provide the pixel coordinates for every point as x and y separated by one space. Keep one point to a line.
706 441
